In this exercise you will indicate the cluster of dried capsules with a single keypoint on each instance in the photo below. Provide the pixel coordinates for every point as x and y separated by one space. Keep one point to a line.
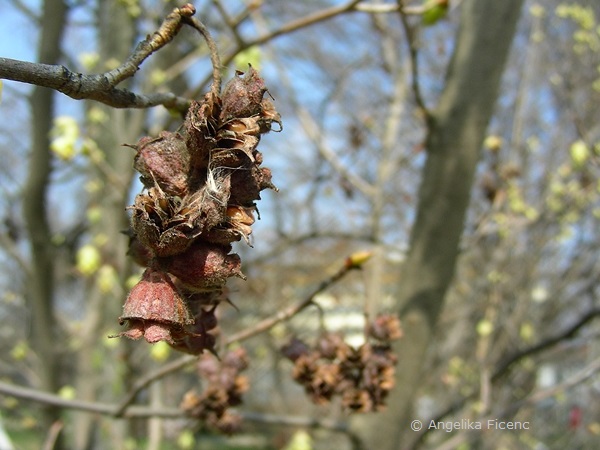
224 389
361 376
201 184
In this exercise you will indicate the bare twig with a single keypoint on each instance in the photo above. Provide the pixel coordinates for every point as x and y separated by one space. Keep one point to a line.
313 130
380 8
546 343
411 40
79 86
52 436
507 363
144 382
535 397
289 27
214 52
290 311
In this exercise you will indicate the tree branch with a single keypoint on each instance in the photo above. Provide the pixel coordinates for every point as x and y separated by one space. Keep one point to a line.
102 87
93 407
568 333
409 31
167 413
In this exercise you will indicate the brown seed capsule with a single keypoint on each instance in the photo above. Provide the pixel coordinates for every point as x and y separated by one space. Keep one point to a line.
195 344
385 327
163 160
294 349
204 266
154 310
328 345
357 400
242 96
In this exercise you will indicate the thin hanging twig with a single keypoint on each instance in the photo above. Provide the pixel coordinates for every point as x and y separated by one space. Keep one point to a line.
214 53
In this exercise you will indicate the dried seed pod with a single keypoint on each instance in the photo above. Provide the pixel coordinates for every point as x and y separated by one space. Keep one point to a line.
204 266
328 345
194 343
228 423
207 320
385 327
140 254
201 186
305 367
357 400
154 310
242 96
192 404
324 382
294 349
165 161
237 359
159 227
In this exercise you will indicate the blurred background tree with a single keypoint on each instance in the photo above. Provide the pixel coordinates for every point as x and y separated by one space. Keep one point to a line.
484 235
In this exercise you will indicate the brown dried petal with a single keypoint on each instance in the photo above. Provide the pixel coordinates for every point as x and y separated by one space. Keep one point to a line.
268 115
247 184
201 124
241 126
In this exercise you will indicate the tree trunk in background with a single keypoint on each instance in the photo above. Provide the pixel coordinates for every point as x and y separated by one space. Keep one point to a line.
454 141
116 39
40 282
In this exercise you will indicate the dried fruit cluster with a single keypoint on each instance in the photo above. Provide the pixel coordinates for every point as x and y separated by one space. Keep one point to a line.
362 376
200 187
225 388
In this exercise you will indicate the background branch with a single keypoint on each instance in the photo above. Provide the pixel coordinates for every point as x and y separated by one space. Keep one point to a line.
509 361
